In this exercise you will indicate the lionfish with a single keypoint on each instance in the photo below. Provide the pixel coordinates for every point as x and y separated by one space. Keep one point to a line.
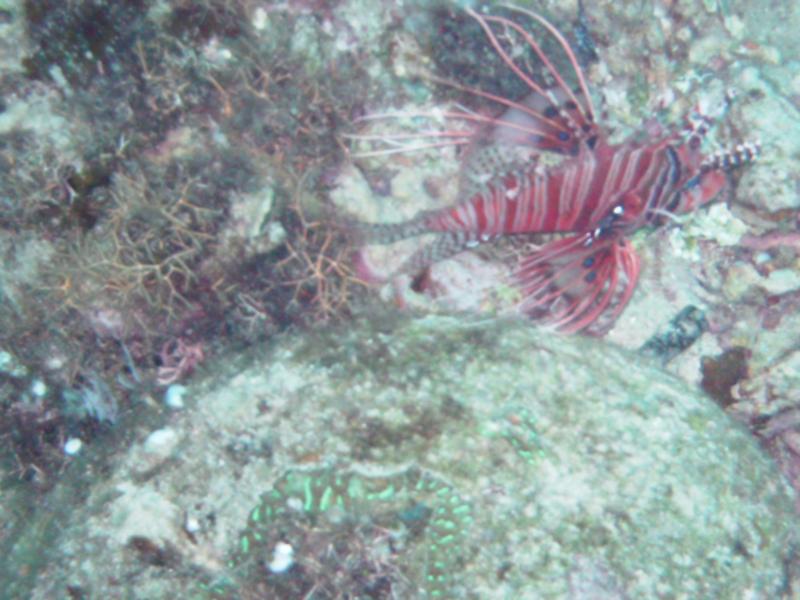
595 196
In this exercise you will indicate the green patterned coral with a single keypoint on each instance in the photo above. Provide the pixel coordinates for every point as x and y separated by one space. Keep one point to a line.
353 535
518 427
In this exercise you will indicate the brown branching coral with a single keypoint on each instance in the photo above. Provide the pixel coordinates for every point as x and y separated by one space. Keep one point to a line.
143 258
316 272
157 238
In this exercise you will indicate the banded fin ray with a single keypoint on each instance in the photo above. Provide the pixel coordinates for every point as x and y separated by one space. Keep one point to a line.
551 117
555 117
577 286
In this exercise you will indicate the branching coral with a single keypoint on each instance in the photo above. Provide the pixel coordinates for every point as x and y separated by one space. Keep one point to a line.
316 269
142 260
158 236
156 124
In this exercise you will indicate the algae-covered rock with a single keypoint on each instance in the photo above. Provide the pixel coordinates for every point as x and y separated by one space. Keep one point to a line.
439 457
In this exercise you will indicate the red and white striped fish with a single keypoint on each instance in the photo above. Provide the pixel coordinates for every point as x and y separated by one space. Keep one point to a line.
596 195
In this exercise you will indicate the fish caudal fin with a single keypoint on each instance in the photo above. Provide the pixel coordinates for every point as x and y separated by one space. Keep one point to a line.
445 245
577 286
363 233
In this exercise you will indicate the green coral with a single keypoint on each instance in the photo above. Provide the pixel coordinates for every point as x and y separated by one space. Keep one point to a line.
518 428
355 534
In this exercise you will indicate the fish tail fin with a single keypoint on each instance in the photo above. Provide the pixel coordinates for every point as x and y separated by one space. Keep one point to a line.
443 247
364 233
577 284
361 234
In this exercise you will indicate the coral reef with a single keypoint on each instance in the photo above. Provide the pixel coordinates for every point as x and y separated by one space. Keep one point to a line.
139 142
163 217
737 262
501 461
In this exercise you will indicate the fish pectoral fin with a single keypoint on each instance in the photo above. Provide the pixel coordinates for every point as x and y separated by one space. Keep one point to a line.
578 285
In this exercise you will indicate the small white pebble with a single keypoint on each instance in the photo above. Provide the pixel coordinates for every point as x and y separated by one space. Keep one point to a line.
72 446
161 443
762 258
10 366
54 363
173 397
192 524
295 504
282 558
260 18
38 388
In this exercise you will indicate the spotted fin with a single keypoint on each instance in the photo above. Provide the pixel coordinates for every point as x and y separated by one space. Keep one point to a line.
553 116
542 123
445 245
556 114
515 141
578 284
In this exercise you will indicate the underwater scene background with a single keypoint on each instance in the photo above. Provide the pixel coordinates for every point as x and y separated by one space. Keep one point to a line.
249 348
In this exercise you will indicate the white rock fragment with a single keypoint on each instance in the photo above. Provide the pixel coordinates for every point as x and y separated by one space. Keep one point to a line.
142 512
38 388
259 19
54 363
739 279
72 446
10 365
216 53
282 558
191 524
251 229
161 442
782 281
275 232
156 449
735 26
717 223
173 397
